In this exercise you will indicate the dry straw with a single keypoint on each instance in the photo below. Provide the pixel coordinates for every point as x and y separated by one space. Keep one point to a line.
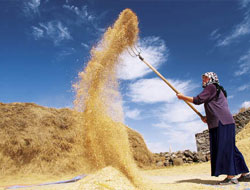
243 142
36 139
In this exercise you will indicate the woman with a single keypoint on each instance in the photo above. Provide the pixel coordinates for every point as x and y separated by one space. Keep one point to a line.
225 157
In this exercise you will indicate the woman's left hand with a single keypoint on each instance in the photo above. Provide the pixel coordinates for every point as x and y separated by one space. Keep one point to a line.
180 96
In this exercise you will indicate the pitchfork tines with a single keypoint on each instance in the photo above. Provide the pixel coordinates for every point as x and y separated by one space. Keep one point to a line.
135 51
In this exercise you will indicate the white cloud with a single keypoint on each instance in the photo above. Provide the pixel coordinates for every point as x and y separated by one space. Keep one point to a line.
244 3
243 87
239 30
155 90
85 45
162 125
215 34
177 112
153 50
53 30
246 104
132 113
157 147
179 123
82 13
64 52
31 7
181 135
244 66
37 32
82 16
181 140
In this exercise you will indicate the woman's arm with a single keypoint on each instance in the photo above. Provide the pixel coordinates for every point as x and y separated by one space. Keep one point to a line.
191 100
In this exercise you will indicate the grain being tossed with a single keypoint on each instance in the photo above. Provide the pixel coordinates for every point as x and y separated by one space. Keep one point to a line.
106 143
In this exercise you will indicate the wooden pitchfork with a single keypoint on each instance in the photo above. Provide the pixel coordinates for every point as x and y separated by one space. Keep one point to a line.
136 52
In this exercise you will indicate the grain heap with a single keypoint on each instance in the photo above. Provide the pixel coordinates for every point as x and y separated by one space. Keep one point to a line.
243 142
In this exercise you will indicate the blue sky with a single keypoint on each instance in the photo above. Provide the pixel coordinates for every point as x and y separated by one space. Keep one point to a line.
44 44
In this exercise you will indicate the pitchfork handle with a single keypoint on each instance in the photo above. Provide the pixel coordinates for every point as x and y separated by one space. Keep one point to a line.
166 81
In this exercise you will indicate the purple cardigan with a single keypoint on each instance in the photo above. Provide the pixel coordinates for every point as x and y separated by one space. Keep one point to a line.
216 108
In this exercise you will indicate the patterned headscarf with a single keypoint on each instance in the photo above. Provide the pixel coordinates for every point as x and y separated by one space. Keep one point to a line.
213 79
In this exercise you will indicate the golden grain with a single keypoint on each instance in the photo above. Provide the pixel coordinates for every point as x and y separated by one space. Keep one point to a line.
98 98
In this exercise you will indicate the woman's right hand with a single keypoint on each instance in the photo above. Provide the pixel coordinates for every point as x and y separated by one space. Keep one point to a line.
204 119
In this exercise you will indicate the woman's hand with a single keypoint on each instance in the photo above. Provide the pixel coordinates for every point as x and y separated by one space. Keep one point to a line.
204 119
180 96
185 98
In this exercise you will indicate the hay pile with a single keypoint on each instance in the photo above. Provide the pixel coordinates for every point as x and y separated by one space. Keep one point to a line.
243 142
143 156
36 139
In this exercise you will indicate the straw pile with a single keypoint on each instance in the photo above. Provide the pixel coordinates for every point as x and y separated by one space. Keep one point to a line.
143 156
243 142
97 97
38 139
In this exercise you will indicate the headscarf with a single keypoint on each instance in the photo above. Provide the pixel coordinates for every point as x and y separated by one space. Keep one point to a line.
213 79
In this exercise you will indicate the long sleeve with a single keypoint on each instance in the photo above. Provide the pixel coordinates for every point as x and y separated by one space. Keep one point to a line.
206 95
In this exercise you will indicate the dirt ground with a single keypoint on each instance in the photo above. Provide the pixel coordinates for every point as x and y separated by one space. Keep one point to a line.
194 176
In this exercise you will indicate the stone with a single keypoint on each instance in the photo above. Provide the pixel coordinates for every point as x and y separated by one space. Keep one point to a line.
159 164
208 157
177 162
174 156
167 155
166 163
201 157
188 154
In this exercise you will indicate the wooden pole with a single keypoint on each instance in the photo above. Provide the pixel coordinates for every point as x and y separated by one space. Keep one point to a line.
171 86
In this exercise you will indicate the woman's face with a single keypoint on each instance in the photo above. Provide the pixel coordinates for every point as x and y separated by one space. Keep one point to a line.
205 79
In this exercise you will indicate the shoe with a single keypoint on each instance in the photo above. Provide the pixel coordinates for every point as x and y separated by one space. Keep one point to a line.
245 178
228 181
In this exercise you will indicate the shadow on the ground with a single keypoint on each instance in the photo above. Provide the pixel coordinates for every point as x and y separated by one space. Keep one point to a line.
199 181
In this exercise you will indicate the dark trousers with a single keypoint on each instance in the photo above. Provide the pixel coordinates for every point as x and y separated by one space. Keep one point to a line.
225 156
